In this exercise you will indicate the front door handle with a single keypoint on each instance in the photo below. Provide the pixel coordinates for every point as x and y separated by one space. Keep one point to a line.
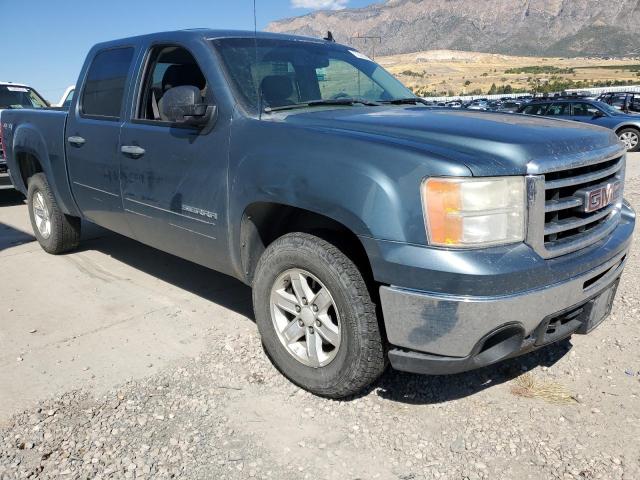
132 151
76 141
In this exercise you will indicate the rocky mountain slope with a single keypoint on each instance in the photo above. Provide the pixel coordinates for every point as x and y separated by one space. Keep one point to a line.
516 27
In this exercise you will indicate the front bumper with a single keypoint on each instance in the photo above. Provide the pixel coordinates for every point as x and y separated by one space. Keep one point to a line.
435 332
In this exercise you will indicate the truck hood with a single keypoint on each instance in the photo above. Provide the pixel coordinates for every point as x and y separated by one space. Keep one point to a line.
487 143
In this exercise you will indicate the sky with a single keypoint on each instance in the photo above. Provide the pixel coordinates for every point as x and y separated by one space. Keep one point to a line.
44 42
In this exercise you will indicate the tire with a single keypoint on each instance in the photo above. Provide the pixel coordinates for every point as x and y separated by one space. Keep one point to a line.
359 358
631 138
56 232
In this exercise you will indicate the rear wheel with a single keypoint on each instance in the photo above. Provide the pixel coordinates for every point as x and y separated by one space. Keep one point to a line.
316 318
56 232
631 139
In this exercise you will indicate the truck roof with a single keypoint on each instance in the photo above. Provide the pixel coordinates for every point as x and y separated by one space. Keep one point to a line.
210 34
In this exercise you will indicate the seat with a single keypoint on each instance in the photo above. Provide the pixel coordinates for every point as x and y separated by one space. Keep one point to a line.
178 76
276 90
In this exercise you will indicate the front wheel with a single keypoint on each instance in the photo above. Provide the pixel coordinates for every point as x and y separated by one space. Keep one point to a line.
56 232
316 318
631 139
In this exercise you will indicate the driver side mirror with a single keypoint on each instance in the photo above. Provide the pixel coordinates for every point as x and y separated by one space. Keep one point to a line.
183 105
598 114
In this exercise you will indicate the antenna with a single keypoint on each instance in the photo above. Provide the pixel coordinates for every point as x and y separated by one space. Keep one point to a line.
255 48
375 40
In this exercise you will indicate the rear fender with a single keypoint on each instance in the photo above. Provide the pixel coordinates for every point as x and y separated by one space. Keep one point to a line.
50 156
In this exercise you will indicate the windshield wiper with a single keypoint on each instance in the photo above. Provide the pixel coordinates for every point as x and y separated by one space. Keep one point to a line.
320 103
406 101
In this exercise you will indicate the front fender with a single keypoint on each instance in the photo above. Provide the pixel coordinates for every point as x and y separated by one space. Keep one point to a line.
370 186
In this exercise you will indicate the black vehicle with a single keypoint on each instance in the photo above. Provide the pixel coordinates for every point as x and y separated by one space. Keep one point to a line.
12 96
628 102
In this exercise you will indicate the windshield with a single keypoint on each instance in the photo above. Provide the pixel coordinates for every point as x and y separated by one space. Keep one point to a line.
20 97
277 73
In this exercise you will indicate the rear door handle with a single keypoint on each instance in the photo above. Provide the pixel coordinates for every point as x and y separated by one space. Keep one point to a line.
132 151
76 141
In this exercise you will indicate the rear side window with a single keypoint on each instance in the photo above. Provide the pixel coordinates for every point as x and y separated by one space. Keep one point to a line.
558 109
104 87
535 109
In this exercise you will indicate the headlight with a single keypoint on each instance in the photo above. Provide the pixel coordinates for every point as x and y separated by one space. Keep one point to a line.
474 212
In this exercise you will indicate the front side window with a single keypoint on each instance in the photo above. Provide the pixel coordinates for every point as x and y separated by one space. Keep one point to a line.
20 97
277 73
168 67
584 110
106 80
634 103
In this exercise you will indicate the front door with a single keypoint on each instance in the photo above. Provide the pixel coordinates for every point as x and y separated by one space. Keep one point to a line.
92 136
174 177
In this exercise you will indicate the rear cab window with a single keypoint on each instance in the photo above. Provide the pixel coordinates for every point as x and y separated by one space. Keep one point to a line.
103 92
17 96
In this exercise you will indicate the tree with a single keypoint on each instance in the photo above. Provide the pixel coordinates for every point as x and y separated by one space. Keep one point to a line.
493 89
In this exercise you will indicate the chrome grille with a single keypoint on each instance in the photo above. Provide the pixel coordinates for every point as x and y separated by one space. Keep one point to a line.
562 222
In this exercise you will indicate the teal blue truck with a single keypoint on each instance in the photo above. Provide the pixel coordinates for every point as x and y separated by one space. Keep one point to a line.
372 228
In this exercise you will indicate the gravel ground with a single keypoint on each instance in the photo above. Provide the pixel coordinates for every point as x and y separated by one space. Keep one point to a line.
228 414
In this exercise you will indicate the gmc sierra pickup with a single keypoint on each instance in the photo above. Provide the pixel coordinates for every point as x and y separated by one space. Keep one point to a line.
370 226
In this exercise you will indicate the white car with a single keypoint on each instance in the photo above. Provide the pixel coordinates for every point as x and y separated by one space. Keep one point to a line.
15 95
67 97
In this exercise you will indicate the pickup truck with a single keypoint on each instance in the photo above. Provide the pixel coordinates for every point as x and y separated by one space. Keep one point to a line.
371 228
15 95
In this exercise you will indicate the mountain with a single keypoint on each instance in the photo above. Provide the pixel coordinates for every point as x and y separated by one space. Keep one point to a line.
514 27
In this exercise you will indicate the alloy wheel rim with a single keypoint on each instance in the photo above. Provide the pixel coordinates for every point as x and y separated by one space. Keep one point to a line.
629 139
305 317
41 215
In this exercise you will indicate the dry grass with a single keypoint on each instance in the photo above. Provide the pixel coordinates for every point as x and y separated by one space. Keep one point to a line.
529 386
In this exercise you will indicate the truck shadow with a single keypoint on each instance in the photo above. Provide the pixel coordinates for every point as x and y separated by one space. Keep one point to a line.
201 281
232 294
10 198
425 390
11 237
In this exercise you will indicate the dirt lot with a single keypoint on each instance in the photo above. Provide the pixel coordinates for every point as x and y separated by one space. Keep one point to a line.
463 72
119 361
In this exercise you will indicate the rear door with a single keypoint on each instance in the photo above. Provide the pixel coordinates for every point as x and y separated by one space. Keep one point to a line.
92 135
174 177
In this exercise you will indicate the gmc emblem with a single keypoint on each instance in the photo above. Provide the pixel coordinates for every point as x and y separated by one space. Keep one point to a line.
599 197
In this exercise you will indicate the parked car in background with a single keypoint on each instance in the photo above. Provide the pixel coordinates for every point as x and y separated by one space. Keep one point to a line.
478 105
369 226
627 127
627 102
508 107
13 96
67 97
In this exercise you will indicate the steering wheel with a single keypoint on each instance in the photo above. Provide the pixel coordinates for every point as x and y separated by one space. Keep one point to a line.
340 95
